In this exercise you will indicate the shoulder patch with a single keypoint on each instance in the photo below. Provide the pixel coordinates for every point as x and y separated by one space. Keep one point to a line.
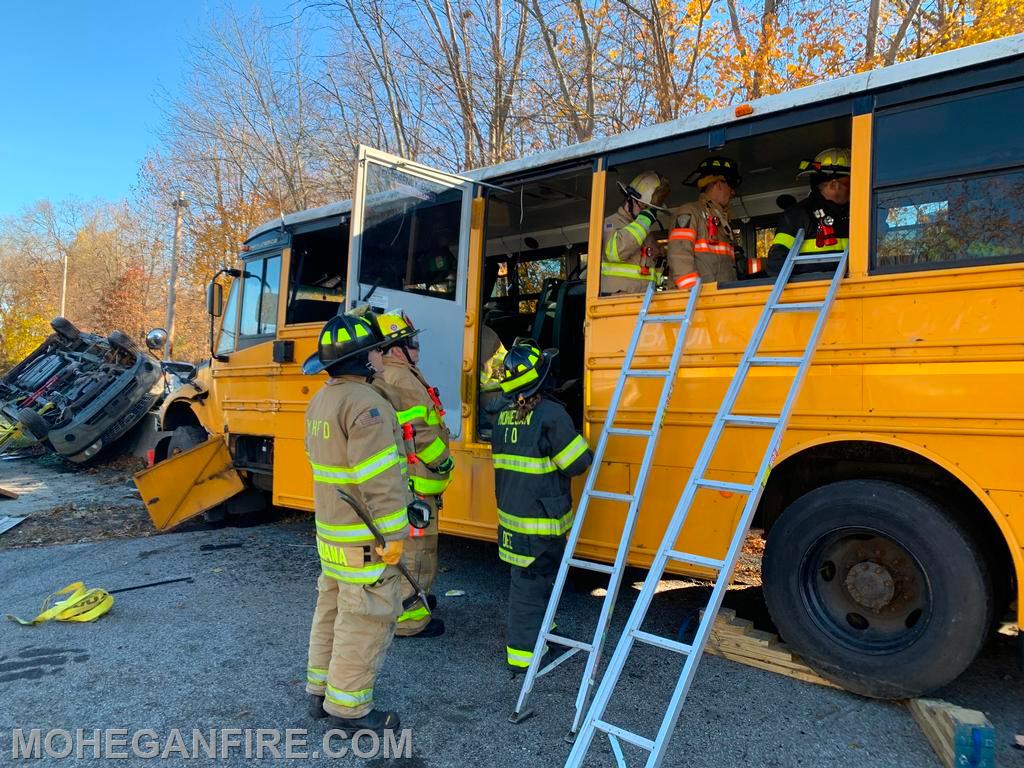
369 417
683 220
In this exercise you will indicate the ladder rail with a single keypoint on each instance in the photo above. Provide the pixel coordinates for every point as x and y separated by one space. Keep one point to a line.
722 582
558 587
625 645
629 527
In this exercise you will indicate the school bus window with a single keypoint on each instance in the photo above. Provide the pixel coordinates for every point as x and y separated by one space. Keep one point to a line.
965 220
259 298
410 233
316 283
724 239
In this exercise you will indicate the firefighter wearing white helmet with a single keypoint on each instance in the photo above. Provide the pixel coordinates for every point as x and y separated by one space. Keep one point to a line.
630 246
824 215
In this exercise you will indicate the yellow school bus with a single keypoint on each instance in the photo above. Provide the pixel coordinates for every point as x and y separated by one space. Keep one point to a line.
894 514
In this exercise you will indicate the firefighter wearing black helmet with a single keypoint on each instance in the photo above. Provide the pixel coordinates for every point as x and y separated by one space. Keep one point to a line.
702 243
536 450
824 215
354 443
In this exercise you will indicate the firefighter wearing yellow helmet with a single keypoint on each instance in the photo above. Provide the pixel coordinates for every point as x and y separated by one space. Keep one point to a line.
824 215
630 246
702 243
421 417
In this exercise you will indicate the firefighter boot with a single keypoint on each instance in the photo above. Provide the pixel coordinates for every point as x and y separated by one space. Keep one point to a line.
376 720
434 628
316 707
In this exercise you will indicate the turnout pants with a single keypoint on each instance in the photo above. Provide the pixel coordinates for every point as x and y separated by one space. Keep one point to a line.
353 625
528 595
420 557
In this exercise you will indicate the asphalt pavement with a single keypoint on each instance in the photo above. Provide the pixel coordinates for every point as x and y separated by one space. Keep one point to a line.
227 650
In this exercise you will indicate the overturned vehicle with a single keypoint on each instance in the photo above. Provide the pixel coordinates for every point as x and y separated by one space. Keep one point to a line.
79 392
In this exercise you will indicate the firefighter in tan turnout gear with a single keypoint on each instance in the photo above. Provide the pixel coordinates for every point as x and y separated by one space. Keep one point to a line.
701 242
354 444
421 417
536 450
630 247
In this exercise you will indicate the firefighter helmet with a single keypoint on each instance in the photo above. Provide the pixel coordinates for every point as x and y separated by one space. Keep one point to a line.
648 188
396 327
828 164
712 169
526 368
341 338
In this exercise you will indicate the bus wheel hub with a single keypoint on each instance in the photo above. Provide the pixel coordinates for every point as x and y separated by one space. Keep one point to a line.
871 585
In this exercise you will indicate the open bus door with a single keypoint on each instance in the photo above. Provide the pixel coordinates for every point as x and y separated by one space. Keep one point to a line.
409 250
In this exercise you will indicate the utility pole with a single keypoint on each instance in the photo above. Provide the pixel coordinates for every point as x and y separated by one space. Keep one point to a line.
179 209
64 281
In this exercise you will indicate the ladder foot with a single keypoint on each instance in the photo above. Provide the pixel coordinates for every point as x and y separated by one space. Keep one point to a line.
518 717
570 737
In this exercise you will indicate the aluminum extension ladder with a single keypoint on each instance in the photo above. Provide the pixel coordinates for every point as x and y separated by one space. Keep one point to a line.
616 571
595 718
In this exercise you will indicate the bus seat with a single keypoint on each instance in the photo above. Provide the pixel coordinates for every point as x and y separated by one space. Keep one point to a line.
544 319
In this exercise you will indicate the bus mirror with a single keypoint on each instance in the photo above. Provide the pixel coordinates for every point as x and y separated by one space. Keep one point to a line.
215 299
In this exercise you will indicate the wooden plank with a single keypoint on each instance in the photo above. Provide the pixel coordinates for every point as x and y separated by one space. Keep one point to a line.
959 736
7 494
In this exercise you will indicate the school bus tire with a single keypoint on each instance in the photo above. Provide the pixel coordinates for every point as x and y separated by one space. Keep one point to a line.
877 587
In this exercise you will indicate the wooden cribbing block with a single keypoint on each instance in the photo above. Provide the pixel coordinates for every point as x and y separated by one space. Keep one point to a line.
7 494
960 737
736 639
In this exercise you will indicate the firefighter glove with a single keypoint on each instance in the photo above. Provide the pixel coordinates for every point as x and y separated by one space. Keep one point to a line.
648 217
391 553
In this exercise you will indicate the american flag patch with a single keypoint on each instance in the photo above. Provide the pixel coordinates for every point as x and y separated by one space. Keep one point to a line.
369 418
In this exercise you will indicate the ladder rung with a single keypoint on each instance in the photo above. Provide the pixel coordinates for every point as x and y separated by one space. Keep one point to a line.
646 373
750 421
780 361
622 733
586 565
664 318
629 432
799 306
823 257
722 485
689 559
569 642
610 496
662 642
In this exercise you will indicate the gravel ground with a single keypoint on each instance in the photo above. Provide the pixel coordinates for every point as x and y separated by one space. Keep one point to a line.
227 650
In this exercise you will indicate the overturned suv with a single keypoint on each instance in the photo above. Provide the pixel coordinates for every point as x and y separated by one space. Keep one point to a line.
80 392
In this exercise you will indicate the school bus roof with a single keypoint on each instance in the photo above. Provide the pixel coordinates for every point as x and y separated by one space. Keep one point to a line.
865 82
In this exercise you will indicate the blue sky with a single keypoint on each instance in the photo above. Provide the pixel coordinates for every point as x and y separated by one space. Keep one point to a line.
80 86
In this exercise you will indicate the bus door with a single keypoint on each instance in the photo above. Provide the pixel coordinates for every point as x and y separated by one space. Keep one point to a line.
409 250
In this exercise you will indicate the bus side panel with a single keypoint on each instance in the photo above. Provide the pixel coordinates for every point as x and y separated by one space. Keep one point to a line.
293 480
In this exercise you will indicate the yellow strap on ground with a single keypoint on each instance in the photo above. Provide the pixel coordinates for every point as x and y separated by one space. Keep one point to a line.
82 604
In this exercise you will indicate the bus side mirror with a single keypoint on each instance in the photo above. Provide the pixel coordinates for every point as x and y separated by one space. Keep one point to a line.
215 299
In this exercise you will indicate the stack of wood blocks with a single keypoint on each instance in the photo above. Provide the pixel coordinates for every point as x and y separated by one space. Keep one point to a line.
736 639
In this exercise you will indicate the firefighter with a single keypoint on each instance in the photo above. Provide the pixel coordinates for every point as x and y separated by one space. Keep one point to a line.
630 236
492 400
535 450
354 443
824 215
421 416
702 242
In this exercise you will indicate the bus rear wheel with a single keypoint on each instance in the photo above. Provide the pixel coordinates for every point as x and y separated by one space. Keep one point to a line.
877 587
